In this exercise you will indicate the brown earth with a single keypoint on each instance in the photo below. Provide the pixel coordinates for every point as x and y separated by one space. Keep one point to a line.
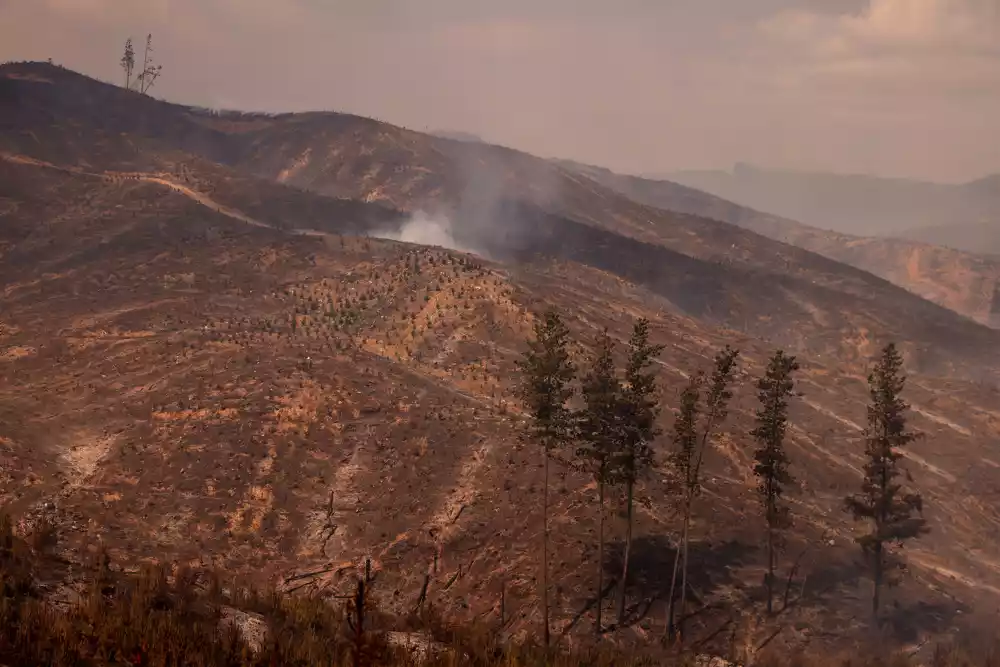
185 375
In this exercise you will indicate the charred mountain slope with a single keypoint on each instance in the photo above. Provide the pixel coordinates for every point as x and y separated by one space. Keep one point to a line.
965 282
184 382
499 200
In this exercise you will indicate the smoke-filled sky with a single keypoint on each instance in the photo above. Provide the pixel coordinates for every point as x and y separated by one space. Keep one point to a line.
892 87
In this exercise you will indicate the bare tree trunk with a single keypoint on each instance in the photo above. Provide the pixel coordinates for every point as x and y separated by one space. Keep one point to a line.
791 575
692 475
692 487
684 577
770 570
877 577
600 558
145 69
545 549
879 521
628 549
673 576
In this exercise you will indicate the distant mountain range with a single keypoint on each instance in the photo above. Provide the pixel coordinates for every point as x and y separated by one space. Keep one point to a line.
966 282
964 216
459 136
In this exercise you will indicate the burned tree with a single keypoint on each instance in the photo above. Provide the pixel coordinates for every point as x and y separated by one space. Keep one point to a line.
771 461
716 408
150 72
683 460
600 436
547 374
893 516
639 410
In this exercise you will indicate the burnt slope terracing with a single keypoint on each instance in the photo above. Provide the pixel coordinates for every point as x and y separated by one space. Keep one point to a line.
494 197
186 386
200 366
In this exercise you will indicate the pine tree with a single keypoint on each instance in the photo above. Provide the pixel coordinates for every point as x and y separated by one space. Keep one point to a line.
771 467
128 62
892 514
716 409
639 410
600 436
685 441
547 375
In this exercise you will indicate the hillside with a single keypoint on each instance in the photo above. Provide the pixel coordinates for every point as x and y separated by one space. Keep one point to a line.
204 365
965 282
852 203
981 237
468 181
506 204
459 136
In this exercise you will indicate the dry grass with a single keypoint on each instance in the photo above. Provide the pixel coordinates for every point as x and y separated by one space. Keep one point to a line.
382 423
179 616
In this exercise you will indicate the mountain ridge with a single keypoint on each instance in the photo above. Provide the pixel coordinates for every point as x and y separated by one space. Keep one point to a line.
854 203
964 282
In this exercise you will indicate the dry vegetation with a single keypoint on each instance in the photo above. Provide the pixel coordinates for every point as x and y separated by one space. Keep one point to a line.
179 616
183 386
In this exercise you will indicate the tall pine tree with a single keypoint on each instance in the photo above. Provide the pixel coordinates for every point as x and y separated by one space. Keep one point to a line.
716 408
683 458
547 374
128 62
600 437
893 516
639 410
771 461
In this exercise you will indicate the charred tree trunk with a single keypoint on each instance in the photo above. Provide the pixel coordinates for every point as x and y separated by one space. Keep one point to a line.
877 572
545 551
600 558
770 571
672 598
684 578
628 550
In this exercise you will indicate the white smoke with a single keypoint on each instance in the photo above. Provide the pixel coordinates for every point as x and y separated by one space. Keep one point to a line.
424 229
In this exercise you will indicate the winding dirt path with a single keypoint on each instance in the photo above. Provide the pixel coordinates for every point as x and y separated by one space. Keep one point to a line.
159 179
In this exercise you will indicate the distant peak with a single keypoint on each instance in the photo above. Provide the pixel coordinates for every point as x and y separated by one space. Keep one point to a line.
991 180
744 168
458 136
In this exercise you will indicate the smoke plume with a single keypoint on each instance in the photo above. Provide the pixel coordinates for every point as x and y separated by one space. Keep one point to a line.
425 229
485 214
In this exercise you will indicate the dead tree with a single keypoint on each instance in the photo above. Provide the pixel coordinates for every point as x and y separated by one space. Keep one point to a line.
150 71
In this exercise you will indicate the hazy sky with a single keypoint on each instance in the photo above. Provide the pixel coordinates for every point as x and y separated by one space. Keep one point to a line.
894 87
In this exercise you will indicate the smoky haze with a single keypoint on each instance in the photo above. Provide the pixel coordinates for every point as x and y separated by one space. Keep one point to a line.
865 205
894 87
